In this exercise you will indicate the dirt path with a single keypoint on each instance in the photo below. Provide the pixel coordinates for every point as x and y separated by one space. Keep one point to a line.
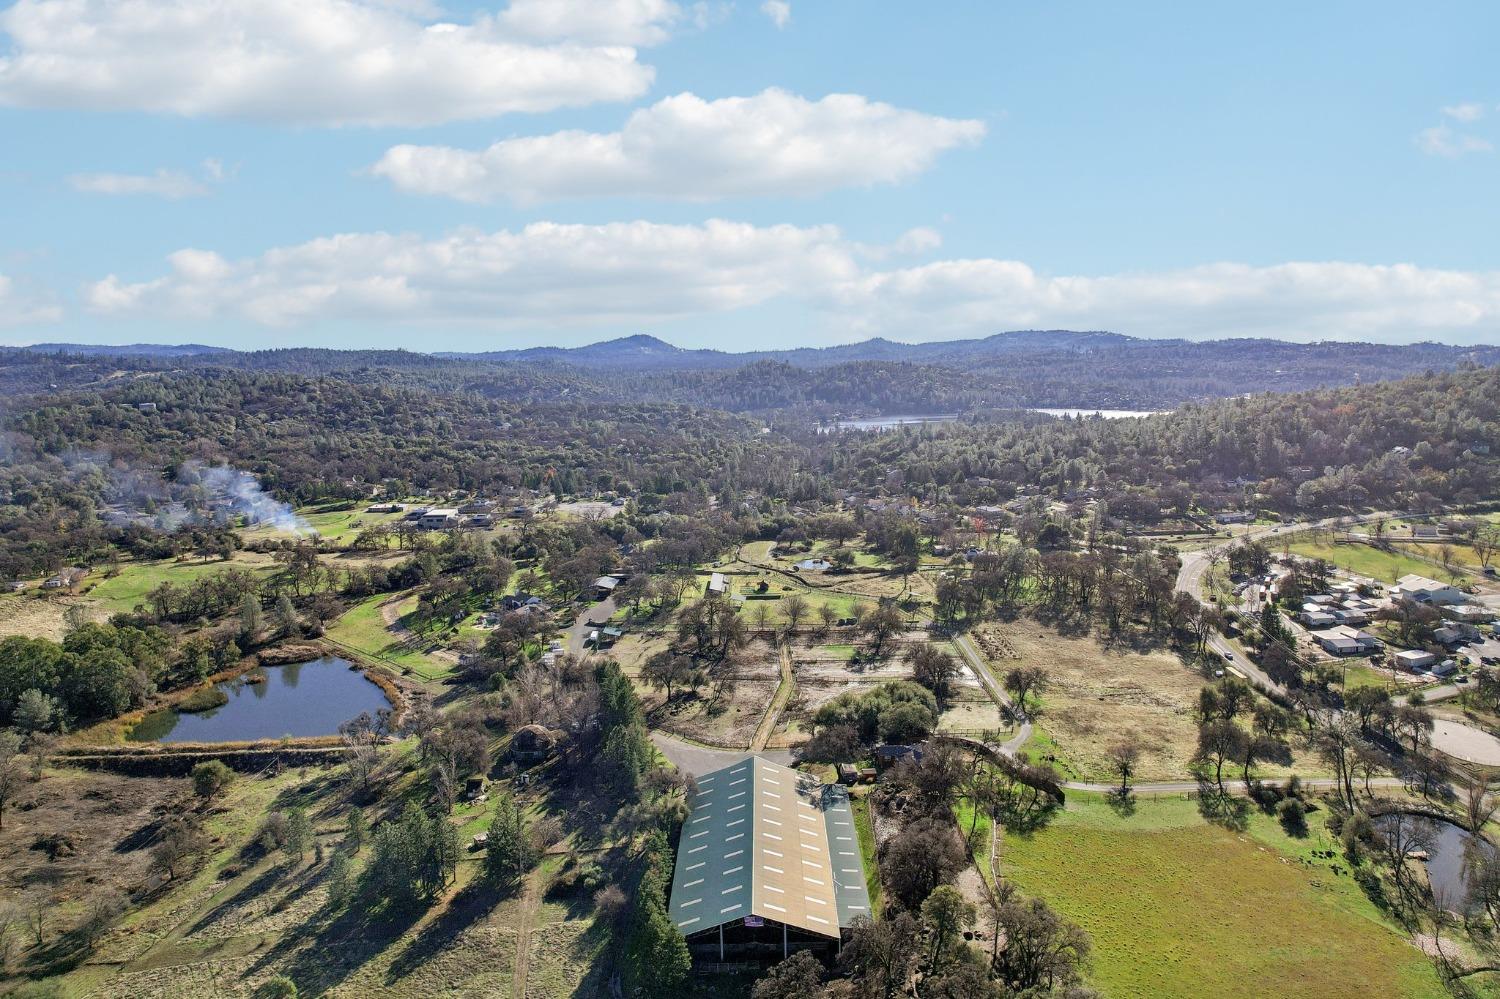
391 614
530 904
778 700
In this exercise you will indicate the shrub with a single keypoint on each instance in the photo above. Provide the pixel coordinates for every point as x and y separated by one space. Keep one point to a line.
1293 816
211 778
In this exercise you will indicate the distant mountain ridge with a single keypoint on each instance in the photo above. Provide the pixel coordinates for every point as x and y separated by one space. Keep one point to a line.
129 349
646 351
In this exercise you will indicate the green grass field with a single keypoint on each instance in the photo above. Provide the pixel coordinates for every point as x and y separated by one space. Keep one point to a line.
337 526
1177 907
1364 560
120 594
364 630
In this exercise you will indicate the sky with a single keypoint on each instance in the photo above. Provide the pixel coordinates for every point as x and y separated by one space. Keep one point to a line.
750 175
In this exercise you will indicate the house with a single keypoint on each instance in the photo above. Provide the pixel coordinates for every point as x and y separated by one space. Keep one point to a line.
1234 517
1343 640
1470 613
605 585
1427 591
67 579
1428 532
889 755
146 407
477 506
847 774
532 744
16 586
383 508
1316 617
717 586
1445 668
479 520
516 601
1415 660
1456 633
768 862
609 636
439 518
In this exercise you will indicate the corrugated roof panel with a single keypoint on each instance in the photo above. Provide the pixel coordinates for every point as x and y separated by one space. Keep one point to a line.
765 840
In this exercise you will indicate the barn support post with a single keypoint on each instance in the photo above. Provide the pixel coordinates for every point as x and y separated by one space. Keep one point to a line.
721 943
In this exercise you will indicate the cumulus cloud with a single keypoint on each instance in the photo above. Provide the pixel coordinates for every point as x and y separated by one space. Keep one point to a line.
1444 140
170 184
1471 111
546 273
551 274
779 11
19 309
1298 301
598 22
322 62
687 148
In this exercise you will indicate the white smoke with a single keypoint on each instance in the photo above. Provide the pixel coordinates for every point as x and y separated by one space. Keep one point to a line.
199 493
239 494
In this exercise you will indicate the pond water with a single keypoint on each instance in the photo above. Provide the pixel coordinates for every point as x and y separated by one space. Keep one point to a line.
299 699
1449 858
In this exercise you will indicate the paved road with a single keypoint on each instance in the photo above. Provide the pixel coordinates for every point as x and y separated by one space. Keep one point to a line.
1195 564
699 760
579 633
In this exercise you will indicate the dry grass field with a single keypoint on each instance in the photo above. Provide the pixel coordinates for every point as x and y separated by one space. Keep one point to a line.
1097 695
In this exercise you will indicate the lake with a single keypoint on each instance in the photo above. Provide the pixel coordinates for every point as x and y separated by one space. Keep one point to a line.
299 699
1108 414
888 422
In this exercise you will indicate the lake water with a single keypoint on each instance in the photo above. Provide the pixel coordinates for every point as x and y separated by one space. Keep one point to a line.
1108 414
299 699
887 422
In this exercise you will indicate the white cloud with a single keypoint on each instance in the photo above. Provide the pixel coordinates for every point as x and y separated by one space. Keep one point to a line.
1464 112
546 274
683 147
1298 301
1442 140
170 184
598 22
779 11
18 309
551 275
321 62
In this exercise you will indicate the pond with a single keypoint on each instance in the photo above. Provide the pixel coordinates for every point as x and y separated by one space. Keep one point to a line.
1449 857
299 700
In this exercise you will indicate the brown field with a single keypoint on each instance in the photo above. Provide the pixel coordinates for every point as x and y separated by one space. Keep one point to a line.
103 822
32 616
1097 695
729 721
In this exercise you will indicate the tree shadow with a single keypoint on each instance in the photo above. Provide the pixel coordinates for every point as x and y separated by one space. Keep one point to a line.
340 946
1122 802
1221 808
464 909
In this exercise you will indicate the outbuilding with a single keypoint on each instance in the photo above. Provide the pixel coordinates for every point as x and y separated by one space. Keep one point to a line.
768 863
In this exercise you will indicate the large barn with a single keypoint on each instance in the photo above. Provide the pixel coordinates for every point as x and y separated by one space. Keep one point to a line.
768 864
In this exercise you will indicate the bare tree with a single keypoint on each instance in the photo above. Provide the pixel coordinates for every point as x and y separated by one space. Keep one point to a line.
1123 758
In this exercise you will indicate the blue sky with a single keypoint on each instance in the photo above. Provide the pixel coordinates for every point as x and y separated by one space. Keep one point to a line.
568 170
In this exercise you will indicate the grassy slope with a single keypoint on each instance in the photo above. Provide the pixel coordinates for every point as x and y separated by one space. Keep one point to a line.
121 593
363 628
1366 561
1178 907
